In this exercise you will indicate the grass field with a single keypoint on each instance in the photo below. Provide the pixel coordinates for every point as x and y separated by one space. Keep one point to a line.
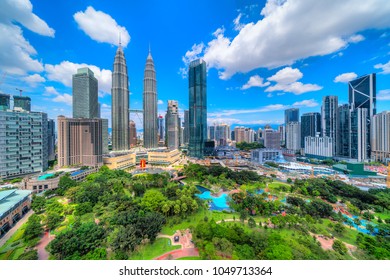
151 251
14 246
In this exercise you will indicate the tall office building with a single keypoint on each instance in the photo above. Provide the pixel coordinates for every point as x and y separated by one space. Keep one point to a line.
222 134
23 143
186 132
310 126
85 94
120 103
362 95
211 132
150 104
291 115
22 102
161 129
51 140
197 78
319 147
380 137
4 101
133 134
359 140
293 133
105 136
272 139
329 118
244 134
172 126
282 130
342 147
80 141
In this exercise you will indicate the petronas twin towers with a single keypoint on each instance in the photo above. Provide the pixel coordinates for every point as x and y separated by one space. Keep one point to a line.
120 103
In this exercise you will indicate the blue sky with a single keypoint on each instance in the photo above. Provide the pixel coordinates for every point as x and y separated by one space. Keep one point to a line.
263 56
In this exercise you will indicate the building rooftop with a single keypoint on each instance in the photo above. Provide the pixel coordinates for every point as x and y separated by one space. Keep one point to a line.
10 198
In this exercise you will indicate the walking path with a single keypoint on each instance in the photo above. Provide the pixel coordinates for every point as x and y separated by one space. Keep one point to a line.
15 227
185 241
41 246
180 253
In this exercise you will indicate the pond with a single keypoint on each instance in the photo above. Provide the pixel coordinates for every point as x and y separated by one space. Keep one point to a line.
218 203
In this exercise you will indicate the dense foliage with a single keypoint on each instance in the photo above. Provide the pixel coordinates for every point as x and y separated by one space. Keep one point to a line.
249 146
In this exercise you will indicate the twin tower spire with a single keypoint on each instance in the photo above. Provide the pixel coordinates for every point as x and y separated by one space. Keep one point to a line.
120 103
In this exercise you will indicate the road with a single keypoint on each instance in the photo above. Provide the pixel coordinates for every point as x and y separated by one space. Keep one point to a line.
15 227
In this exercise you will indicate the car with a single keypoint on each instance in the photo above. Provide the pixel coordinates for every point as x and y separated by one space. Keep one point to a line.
176 238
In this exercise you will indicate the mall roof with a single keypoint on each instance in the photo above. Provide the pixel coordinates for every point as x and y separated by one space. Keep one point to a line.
10 198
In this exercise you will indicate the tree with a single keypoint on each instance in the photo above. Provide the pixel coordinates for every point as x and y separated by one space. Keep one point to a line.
251 222
153 200
53 220
29 255
126 239
33 228
370 228
356 221
38 203
289 180
339 247
243 215
339 228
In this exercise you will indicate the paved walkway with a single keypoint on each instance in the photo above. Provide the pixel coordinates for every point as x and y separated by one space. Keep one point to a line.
15 227
180 253
41 246
185 238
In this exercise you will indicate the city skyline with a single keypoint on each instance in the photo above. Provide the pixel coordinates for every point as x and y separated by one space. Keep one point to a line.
239 93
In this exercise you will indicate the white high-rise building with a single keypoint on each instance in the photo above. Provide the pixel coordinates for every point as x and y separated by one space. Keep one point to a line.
380 137
319 147
293 136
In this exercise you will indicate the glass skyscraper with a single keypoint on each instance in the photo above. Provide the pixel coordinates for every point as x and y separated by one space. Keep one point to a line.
172 125
4 101
291 115
310 126
120 103
197 78
150 104
362 103
329 118
85 94
342 146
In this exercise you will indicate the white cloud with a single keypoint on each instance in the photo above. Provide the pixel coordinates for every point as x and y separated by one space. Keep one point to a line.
237 25
190 55
287 75
345 77
63 98
292 30
384 67
306 103
287 80
58 97
255 81
269 95
21 11
356 38
63 73
16 53
160 102
101 27
383 94
268 108
34 79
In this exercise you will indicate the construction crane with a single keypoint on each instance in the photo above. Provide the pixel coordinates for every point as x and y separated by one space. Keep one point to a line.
20 91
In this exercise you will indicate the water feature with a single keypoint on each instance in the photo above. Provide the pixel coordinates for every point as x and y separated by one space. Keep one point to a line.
218 203
45 176
362 226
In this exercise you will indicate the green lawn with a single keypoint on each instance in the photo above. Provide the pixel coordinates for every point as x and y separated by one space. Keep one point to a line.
349 235
14 246
194 219
189 258
151 251
384 215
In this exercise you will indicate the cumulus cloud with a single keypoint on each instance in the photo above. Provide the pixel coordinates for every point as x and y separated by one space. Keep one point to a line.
189 56
34 79
384 67
383 94
101 27
21 11
278 38
237 25
16 53
58 97
255 81
63 73
287 81
345 77
268 108
160 102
